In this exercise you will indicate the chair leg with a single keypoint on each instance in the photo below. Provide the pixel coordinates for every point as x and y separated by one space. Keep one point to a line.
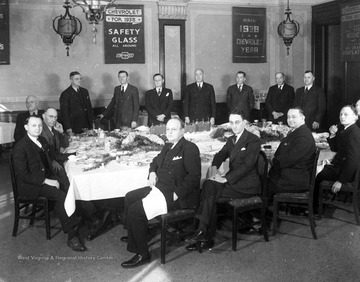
16 220
47 221
320 202
234 229
264 223
33 213
312 220
275 215
355 200
163 240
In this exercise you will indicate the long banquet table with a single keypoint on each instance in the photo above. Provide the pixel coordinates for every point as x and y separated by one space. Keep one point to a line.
122 175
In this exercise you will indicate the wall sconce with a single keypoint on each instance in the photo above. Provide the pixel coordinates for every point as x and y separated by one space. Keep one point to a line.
94 11
68 26
288 29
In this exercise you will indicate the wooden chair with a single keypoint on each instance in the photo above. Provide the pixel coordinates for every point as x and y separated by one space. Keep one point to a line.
352 188
39 210
250 204
304 198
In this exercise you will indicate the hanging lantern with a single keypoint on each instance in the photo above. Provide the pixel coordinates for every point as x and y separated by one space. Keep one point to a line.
94 11
67 26
288 29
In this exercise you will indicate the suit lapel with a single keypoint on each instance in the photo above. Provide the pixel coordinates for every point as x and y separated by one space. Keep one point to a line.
239 145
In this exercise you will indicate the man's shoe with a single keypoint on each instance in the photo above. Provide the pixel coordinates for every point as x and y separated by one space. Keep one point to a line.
197 236
135 261
124 239
201 245
76 245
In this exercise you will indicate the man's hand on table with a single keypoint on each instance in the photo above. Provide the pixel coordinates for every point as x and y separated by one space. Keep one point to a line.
52 182
56 166
212 121
160 117
133 124
152 179
187 120
336 187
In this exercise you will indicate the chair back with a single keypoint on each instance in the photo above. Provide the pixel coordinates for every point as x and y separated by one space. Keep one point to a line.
313 174
13 178
262 170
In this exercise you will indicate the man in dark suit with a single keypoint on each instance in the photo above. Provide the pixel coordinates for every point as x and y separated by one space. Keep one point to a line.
55 135
75 107
240 96
32 104
311 99
174 181
199 100
36 177
279 99
293 160
346 143
241 181
158 102
124 105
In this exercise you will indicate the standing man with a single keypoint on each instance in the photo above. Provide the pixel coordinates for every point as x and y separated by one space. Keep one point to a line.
279 99
158 102
75 106
124 105
55 135
241 181
293 160
240 96
174 179
199 100
311 99
36 177
32 104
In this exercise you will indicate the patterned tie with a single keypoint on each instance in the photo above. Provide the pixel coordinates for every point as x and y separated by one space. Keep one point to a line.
159 92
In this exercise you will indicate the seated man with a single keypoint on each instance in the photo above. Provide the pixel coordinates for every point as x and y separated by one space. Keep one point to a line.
32 104
345 142
173 184
293 160
54 134
36 178
241 181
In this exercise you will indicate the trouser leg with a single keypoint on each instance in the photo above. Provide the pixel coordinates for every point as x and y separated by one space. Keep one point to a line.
330 173
58 196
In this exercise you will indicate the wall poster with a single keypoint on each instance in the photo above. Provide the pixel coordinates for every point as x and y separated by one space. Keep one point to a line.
124 39
350 31
249 35
4 33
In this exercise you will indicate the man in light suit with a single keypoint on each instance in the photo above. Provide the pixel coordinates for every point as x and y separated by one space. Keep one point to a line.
240 96
55 135
174 180
293 160
75 106
124 105
32 104
241 181
279 99
36 177
158 102
199 100
311 99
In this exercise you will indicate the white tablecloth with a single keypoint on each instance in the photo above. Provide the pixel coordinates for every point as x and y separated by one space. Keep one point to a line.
7 132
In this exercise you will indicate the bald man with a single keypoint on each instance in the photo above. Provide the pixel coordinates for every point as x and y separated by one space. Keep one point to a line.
32 106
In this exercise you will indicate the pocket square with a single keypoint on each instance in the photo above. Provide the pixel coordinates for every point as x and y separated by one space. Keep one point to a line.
177 158
243 149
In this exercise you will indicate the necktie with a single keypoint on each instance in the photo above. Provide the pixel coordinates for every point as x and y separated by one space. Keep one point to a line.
240 88
122 90
159 92
306 90
279 87
199 86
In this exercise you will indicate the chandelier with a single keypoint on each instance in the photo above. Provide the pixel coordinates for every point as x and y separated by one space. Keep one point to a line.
94 11
67 26
288 29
